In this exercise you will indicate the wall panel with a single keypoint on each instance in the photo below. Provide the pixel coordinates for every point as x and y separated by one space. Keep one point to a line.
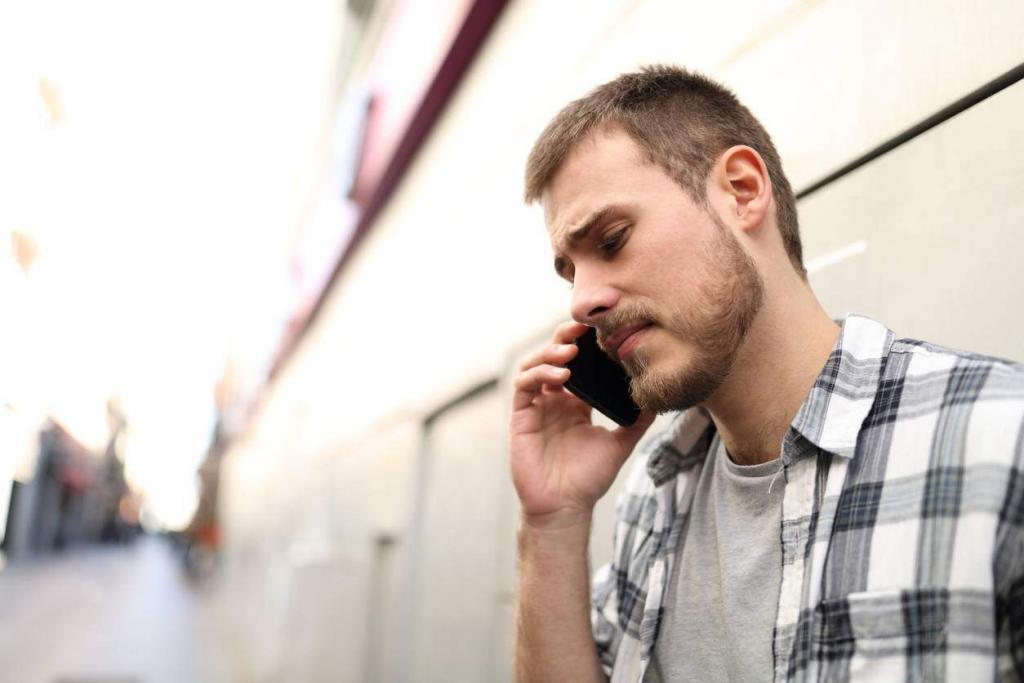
938 220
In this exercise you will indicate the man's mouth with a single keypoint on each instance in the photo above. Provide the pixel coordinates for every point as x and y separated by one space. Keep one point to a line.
625 340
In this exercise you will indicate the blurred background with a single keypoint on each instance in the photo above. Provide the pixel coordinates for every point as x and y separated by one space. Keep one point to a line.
265 275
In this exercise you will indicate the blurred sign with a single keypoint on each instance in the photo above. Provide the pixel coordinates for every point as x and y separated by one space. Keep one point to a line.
416 40
426 47
322 238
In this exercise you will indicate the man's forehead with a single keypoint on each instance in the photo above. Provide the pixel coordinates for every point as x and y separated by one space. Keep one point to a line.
593 174
558 224
608 145
563 222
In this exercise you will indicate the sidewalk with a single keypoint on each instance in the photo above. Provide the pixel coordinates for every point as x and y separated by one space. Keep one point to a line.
112 614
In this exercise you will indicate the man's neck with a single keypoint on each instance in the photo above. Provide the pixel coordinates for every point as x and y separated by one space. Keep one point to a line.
775 369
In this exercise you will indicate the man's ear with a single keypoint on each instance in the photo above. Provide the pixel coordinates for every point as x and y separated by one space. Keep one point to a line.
741 175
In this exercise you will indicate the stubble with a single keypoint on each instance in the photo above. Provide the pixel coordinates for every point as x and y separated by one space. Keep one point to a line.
714 322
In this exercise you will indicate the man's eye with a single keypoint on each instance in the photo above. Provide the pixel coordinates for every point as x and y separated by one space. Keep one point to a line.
613 242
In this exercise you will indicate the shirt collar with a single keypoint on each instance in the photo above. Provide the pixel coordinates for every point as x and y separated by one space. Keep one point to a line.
684 444
833 412
829 418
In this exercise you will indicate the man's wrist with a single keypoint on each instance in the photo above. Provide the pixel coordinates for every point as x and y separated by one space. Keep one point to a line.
561 537
565 520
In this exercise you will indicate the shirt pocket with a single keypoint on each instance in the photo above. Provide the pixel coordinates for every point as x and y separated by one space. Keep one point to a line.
905 634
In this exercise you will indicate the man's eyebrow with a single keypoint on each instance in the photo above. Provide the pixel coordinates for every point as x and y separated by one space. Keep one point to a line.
576 235
580 232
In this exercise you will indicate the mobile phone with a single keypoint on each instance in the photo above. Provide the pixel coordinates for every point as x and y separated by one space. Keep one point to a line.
600 381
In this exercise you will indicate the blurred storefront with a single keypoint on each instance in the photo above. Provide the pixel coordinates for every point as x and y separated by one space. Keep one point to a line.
55 491
72 496
360 495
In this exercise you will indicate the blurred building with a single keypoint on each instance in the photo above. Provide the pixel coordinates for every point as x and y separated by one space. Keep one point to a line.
72 496
366 512
55 491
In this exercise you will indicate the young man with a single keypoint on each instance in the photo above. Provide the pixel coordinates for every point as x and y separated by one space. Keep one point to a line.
832 503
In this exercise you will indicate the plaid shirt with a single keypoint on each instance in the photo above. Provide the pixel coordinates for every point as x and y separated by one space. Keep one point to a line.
902 522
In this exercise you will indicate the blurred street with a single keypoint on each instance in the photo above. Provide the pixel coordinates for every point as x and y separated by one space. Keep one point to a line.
107 613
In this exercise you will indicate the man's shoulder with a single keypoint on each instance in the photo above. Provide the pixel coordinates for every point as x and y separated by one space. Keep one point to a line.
954 400
921 347
977 376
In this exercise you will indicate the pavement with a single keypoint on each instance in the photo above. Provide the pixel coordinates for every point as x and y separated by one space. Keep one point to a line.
113 614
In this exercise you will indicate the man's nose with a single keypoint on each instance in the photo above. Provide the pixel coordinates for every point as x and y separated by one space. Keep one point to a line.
592 300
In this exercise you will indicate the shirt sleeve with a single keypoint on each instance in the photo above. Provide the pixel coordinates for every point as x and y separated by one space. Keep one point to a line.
612 579
1011 633
616 586
1009 572
604 618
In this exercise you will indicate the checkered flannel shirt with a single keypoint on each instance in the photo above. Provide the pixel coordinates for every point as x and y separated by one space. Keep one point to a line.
902 522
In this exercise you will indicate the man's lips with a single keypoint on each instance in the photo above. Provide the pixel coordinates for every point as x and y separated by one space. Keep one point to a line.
624 341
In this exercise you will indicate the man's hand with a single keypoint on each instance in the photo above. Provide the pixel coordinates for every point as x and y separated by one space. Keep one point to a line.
561 463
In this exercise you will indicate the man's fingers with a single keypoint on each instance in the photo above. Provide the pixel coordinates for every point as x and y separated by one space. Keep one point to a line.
567 332
530 382
533 379
561 349
552 354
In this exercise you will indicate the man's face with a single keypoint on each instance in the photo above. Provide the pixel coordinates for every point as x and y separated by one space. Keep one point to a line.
667 285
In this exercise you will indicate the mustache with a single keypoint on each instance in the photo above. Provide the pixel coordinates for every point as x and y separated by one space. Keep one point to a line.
621 316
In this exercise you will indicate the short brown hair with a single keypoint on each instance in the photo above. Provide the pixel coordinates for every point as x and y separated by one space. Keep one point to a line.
683 121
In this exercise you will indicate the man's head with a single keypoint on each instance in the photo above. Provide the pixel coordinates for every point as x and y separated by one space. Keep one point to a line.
682 121
649 184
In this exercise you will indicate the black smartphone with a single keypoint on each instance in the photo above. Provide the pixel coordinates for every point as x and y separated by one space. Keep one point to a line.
600 381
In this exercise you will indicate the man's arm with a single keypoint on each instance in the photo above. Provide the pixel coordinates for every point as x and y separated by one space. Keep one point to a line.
554 641
561 466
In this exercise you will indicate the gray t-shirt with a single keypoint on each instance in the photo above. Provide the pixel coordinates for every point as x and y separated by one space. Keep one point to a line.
723 597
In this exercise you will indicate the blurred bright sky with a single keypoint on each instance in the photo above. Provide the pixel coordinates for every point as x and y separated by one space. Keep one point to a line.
163 199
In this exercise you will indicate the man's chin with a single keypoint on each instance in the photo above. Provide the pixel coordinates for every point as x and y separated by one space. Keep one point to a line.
663 392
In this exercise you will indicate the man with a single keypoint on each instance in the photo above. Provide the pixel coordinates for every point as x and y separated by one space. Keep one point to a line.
833 503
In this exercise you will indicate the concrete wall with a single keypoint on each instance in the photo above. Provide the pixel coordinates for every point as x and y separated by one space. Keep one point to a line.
369 516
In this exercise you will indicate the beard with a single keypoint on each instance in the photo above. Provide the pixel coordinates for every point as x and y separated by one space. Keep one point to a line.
730 294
